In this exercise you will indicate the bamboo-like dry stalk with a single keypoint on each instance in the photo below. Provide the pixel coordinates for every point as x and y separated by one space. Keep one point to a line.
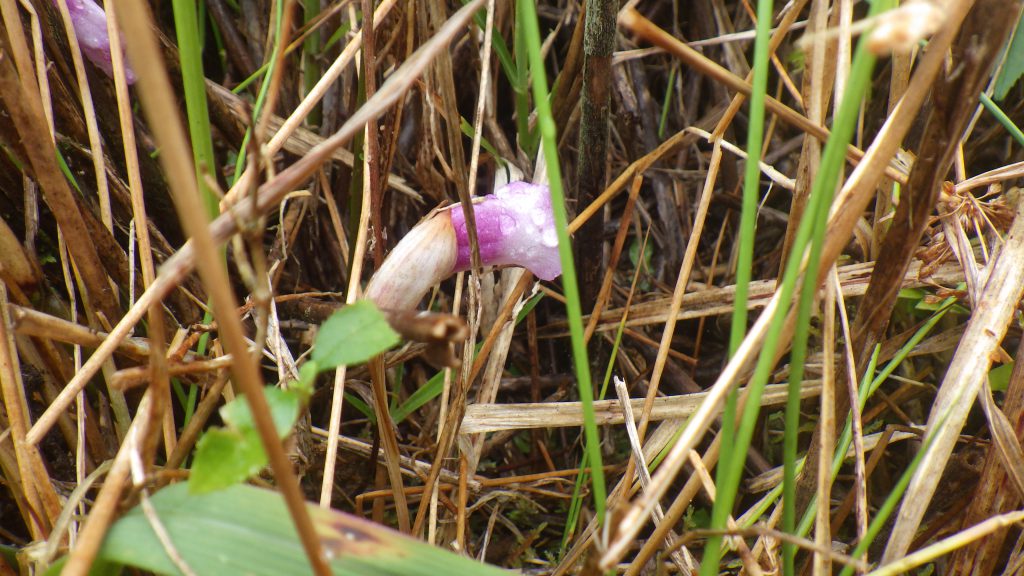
494 417
854 279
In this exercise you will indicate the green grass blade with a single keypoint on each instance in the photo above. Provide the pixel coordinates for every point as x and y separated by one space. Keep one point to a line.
257 108
190 48
889 506
527 21
726 473
811 227
310 52
520 82
867 388
186 23
1002 118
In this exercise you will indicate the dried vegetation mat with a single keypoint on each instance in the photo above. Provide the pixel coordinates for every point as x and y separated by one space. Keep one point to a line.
780 340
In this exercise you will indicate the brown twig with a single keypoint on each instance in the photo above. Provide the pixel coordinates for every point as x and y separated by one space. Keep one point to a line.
592 154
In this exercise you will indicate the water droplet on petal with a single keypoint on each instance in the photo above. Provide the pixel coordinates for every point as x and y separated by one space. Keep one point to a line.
549 238
537 216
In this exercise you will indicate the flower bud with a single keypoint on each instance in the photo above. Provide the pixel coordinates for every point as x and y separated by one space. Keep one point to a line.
515 227
90 23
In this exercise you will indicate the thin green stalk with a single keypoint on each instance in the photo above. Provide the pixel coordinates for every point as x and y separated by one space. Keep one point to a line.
811 227
668 101
508 63
751 176
520 85
190 48
186 25
859 82
257 107
725 474
1002 118
310 52
531 32
218 40
843 445
894 497
575 503
252 78
867 388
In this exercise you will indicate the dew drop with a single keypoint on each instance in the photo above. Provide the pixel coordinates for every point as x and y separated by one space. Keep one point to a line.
537 216
549 238
507 222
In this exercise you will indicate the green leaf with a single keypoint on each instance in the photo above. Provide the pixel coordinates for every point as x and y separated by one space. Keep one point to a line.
432 389
528 307
284 409
247 530
307 378
911 294
226 457
1013 67
364 408
999 377
352 335
468 130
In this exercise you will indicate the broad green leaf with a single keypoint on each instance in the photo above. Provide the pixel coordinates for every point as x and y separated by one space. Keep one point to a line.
226 457
352 335
247 530
284 409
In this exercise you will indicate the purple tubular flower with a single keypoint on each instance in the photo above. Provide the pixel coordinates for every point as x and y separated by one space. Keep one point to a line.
515 227
90 23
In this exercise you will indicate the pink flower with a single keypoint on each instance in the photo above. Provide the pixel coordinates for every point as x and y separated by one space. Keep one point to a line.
515 227
90 23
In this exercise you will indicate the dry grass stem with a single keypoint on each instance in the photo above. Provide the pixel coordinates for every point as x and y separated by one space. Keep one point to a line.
963 381
336 129
494 417
853 278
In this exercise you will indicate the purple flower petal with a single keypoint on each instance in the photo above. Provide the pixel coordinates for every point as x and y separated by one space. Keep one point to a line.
90 23
515 226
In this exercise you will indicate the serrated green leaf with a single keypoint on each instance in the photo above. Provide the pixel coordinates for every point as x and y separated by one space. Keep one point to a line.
352 335
247 530
224 458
